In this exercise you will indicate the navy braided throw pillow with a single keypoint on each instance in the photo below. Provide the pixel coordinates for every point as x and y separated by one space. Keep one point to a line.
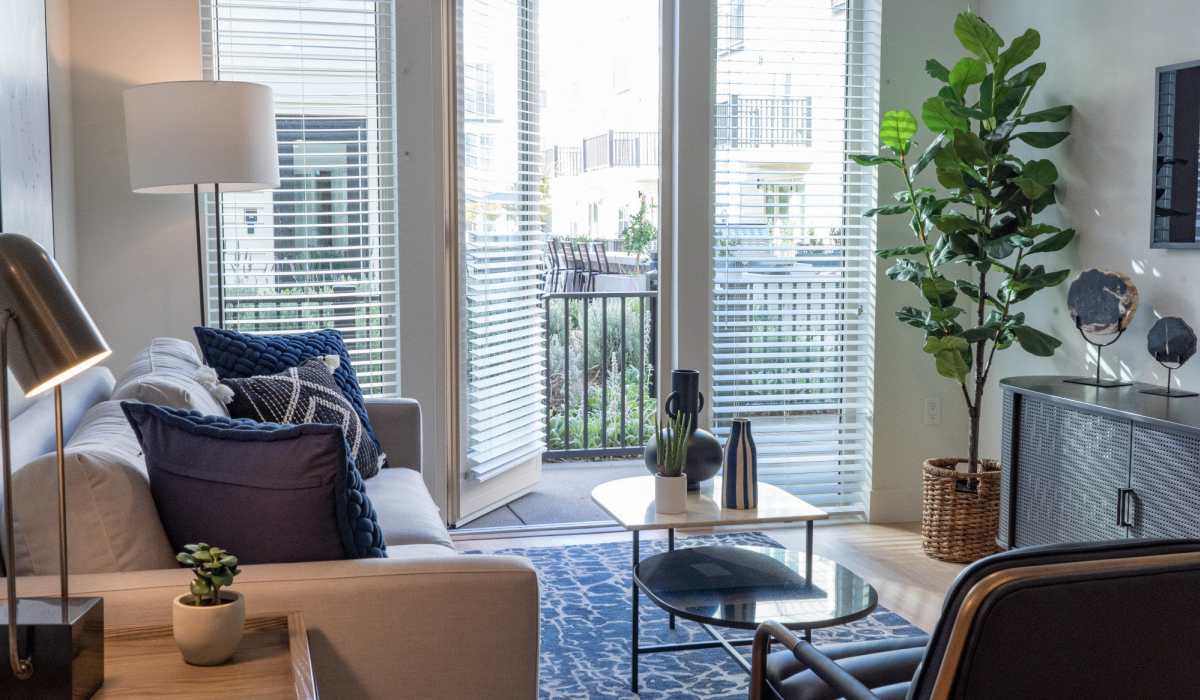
237 355
267 492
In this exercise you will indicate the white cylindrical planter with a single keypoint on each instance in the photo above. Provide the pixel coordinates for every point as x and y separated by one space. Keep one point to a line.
670 494
208 635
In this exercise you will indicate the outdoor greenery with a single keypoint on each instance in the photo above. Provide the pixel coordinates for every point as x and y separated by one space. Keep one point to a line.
640 233
672 443
213 568
604 374
982 222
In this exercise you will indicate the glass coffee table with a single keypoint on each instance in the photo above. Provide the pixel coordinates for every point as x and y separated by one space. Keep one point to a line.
630 502
741 586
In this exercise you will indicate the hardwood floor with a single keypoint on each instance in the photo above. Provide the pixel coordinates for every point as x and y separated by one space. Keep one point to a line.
889 556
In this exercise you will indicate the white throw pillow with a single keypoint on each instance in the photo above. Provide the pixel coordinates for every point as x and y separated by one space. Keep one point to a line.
164 374
112 523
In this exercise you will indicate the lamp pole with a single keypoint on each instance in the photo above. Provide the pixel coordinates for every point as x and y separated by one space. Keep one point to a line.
22 668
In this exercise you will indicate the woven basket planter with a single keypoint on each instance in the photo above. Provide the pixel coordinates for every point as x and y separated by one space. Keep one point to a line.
960 512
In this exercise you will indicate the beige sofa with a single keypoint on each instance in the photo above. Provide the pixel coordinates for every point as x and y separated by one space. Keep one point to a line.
426 622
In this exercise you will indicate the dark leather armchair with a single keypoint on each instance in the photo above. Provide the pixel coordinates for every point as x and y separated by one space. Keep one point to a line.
1105 620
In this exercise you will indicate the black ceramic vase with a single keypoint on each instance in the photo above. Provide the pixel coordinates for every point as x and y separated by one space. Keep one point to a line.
704 455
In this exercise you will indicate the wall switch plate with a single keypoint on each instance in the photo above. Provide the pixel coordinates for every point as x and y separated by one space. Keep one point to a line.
933 411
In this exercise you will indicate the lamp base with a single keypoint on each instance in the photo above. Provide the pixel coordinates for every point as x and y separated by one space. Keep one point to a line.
67 653
1169 393
1102 383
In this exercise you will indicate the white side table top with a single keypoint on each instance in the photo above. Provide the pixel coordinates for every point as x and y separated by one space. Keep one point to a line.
631 503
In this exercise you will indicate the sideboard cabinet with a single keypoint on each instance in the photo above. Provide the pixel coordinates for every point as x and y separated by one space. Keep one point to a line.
1082 463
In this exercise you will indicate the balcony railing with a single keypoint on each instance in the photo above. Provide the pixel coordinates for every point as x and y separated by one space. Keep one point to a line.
613 149
754 122
600 373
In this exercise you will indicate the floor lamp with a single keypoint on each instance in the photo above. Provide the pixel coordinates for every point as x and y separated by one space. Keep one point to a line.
46 337
202 136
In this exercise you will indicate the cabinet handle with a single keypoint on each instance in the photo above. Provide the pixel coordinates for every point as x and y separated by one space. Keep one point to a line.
1124 508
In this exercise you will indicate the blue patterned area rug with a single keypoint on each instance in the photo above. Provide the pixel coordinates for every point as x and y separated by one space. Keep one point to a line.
585 628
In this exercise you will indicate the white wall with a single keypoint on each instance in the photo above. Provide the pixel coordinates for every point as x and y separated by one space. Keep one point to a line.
1101 56
913 31
136 252
62 140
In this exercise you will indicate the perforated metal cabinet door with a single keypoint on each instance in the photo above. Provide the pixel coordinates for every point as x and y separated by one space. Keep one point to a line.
1070 466
1006 457
1166 483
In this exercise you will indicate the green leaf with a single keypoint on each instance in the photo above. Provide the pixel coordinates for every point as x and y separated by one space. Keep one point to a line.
888 210
977 36
1058 241
896 130
870 160
906 270
1036 342
1040 279
935 344
970 148
939 291
939 118
1043 139
202 555
1029 187
937 71
1027 77
928 156
912 316
885 253
979 333
967 72
949 354
1041 171
944 313
1051 114
1019 51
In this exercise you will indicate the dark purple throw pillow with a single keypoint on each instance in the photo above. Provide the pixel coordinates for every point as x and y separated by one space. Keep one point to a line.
267 492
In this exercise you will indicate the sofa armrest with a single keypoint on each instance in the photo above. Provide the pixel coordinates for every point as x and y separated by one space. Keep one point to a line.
437 627
397 424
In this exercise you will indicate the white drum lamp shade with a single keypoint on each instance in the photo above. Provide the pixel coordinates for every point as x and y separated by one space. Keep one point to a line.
200 132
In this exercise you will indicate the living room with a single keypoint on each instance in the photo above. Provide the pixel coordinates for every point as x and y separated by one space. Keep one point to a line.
676 349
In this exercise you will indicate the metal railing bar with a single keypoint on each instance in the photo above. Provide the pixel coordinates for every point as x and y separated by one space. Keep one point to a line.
584 408
623 406
566 372
641 371
597 295
604 374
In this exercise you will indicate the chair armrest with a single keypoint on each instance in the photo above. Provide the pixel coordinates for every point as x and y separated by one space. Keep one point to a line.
844 684
397 424
438 627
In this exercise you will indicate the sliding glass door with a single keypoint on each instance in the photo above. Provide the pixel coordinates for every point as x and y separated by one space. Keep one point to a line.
792 258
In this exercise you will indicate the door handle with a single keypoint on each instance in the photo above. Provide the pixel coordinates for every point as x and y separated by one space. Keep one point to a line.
1125 507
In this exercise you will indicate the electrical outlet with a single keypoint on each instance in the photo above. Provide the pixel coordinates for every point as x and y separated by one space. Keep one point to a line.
933 411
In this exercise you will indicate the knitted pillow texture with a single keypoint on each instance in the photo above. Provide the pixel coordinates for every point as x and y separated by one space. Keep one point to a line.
267 492
238 355
305 394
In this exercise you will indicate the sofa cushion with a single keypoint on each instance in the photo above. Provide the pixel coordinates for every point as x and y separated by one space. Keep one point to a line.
406 511
420 551
305 394
236 355
267 492
112 524
164 374
33 429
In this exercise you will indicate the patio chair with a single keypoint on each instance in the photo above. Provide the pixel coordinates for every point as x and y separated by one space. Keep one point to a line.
572 266
602 258
554 268
1101 620
591 268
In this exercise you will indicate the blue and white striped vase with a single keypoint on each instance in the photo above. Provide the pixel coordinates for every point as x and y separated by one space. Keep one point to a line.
740 478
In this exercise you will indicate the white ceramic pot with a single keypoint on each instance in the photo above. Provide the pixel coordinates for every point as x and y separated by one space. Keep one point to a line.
208 635
670 494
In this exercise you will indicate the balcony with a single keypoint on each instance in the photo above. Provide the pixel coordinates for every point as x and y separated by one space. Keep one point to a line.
613 149
757 122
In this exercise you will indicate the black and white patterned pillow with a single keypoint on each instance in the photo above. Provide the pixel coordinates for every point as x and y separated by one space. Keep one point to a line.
305 394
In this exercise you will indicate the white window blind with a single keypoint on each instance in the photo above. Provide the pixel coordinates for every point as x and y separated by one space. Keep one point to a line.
319 251
793 263
500 236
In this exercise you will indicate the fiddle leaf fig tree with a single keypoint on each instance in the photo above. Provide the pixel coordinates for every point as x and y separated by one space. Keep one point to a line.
977 236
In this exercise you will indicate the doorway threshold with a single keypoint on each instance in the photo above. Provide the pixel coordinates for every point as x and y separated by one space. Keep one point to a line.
468 533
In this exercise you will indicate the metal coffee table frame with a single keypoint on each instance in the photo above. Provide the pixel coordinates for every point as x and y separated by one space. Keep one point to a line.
729 645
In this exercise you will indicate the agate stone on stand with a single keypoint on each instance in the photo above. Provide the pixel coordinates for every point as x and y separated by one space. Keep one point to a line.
1102 303
1171 342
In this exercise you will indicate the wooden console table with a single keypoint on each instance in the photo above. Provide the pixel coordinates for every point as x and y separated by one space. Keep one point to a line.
272 662
1081 463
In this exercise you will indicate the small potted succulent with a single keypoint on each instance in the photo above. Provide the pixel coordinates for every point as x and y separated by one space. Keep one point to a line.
207 622
670 483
